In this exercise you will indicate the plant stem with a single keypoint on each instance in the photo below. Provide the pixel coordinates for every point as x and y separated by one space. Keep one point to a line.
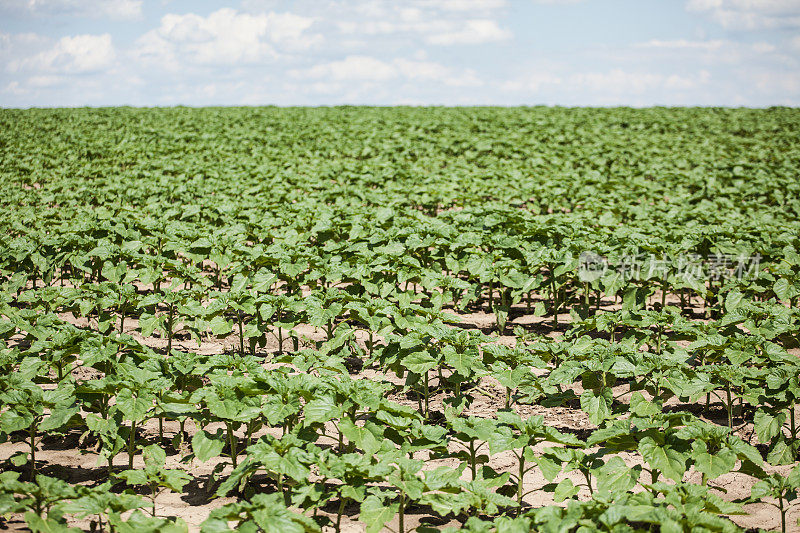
520 475
169 329
32 435
131 443
232 442
729 405
555 299
658 340
654 473
339 514
427 395
281 490
402 512
472 454
241 335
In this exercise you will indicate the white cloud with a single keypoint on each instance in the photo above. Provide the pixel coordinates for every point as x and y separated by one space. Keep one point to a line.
763 48
289 29
14 45
471 6
446 22
44 81
14 88
473 32
764 6
683 44
114 9
77 54
606 87
531 82
430 70
782 82
726 59
224 37
370 69
715 45
359 68
621 82
749 14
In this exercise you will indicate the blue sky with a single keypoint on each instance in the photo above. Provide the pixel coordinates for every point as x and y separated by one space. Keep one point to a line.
450 52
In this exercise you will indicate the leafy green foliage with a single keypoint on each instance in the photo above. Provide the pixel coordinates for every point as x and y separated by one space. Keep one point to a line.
317 304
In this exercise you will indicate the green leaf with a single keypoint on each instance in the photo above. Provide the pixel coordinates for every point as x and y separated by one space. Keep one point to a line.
643 407
781 453
19 458
174 479
665 458
597 404
219 326
139 522
733 300
550 467
272 516
11 421
321 409
716 464
206 446
134 408
59 417
565 489
38 524
375 514
784 290
616 476
154 456
133 477
794 477
768 426
419 362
